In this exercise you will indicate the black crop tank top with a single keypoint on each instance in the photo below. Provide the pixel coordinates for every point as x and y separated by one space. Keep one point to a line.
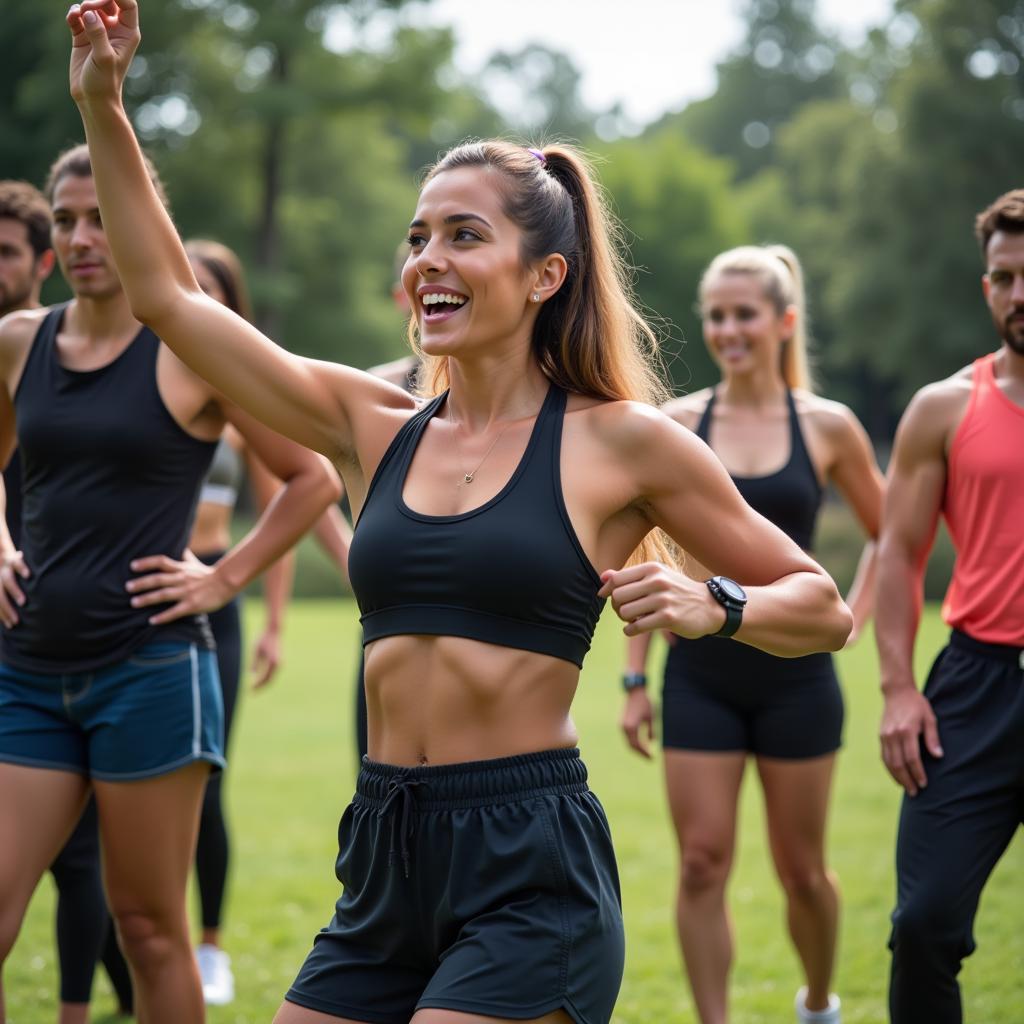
510 572
108 476
791 497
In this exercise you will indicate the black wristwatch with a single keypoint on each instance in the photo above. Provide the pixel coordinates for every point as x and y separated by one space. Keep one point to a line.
733 598
633 681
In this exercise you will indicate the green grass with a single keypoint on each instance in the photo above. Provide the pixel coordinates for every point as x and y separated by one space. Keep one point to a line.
293 769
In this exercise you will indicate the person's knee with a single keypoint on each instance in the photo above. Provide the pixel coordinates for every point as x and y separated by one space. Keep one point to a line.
805 881
150 940
705 868
926 926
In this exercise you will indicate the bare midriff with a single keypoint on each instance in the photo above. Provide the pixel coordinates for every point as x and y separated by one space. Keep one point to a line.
447 700
211 531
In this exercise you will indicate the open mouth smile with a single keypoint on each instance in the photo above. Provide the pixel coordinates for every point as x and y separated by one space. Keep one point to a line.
439 305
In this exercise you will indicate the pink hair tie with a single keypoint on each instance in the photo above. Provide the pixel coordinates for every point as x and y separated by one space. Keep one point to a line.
539 155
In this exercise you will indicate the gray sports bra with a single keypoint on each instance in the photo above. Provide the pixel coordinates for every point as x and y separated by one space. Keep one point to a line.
222 482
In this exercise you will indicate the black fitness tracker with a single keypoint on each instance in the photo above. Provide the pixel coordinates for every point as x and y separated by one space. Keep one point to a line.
633 681
732 597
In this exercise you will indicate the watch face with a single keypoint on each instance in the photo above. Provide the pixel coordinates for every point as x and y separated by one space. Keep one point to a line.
732 589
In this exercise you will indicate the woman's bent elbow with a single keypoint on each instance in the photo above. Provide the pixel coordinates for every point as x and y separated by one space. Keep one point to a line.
838 624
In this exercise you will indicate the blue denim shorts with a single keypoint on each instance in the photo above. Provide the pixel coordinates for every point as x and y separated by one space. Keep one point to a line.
158 710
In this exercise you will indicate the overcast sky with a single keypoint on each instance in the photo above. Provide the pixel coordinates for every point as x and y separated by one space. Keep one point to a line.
652 55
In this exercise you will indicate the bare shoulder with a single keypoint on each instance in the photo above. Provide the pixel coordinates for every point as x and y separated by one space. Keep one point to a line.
933 415
20 327
17 331
829 418
630 430
688 409
943 400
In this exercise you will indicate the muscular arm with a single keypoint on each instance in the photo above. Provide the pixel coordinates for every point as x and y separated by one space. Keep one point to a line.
855 473
304 399
793 608
310 484
16 333
917 478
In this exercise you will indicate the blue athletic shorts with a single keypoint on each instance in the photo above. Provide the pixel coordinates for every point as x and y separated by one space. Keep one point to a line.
156 711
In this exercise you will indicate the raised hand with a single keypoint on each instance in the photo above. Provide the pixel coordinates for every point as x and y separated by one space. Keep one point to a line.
104 36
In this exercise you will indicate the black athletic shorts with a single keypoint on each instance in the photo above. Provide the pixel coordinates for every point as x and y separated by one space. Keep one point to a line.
721 695
488 888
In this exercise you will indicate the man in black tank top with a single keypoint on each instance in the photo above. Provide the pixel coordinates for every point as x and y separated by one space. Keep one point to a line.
106 675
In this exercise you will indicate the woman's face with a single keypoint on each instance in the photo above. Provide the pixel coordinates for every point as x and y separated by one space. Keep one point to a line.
743 330
464 277
207 281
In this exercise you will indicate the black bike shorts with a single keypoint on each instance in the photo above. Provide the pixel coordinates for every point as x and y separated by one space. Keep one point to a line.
721 695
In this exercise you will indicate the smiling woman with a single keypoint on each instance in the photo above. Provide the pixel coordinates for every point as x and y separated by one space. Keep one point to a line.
476 562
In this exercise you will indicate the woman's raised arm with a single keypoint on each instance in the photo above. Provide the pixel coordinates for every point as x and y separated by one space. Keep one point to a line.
303 399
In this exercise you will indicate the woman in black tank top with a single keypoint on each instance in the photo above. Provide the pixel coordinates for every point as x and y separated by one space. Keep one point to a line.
723 702
477 865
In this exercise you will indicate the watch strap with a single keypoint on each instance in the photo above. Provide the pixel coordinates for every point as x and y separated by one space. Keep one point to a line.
733 618
633 681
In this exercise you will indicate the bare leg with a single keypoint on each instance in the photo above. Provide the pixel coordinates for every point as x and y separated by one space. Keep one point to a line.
73 1013
703 791
796 806
455 1017
39 806
289 1013
148 830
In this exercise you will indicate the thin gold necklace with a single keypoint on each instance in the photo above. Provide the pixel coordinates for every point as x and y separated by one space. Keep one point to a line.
467 478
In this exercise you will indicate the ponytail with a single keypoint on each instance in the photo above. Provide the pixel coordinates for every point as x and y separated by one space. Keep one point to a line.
589 337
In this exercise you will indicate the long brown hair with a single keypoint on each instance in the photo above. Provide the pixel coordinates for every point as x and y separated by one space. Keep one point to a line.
589 337
778 270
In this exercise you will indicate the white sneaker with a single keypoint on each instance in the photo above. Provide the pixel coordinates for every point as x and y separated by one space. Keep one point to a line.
827 1016
215 973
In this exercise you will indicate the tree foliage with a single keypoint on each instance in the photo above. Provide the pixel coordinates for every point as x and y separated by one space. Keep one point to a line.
295 130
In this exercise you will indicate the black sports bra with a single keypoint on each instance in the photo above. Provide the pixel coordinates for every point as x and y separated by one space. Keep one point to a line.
510 572
791 497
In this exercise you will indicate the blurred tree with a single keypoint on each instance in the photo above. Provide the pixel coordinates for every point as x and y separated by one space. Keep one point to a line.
537 89
675 204
784 61
288 128
948 138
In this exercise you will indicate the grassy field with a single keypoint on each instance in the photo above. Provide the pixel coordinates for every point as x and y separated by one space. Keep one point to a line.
292 772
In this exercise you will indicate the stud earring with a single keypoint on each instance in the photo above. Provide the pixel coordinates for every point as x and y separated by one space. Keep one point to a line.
535 296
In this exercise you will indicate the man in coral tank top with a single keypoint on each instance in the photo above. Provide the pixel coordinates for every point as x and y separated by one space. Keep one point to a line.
957 748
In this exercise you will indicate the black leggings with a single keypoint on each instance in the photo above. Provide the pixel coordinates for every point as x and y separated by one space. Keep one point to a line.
954 831
85 932
213 846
